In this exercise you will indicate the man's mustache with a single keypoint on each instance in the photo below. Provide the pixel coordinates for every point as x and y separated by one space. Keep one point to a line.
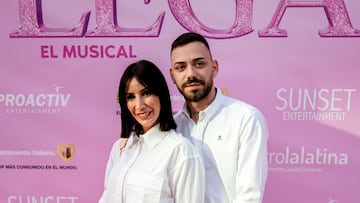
193 80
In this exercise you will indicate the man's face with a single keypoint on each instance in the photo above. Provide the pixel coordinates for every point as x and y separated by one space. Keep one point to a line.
193 70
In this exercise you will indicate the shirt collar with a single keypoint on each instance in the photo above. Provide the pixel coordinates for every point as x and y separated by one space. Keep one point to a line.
209 111
153 136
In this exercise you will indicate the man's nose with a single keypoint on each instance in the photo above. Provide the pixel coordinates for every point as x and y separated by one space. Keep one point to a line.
191 71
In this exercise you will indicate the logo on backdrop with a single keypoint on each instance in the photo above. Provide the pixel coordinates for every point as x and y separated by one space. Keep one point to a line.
35 103
32 23
87 51
305 160
66 152
314 104
45 199
332 200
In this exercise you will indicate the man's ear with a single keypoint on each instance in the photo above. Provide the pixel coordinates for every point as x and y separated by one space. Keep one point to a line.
171 74
215 65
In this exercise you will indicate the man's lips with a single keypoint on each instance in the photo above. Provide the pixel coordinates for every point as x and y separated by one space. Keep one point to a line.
193 84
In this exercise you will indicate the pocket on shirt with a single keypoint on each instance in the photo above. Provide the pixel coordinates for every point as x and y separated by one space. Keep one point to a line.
143 188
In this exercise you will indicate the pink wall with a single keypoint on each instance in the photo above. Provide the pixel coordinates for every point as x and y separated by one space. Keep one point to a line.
306 84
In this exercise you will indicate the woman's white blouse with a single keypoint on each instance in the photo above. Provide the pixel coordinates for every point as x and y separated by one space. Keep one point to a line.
157 167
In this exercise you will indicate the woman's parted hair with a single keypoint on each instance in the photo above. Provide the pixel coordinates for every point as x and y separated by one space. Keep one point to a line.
150 76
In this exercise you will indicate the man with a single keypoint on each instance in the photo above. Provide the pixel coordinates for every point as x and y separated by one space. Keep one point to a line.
228 132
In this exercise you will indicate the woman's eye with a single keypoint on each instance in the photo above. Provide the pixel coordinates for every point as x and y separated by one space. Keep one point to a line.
146 93
129 97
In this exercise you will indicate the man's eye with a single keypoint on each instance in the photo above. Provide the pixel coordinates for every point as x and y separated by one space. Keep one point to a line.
199 64
179 67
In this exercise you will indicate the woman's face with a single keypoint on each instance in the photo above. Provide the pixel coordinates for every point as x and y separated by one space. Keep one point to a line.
142 104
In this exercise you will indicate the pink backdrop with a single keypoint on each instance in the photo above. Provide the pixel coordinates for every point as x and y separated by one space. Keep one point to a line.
59 116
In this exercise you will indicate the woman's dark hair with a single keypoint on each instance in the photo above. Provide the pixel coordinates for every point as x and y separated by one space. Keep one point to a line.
150 76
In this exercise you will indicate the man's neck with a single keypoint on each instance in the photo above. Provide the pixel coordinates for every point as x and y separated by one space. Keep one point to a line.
195 107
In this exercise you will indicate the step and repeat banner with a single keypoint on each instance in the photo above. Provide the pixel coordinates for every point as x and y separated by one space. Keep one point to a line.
61 62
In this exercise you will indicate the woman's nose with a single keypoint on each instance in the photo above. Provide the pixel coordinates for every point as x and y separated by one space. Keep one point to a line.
139 102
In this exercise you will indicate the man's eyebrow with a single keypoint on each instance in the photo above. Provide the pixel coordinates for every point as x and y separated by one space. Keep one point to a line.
198 58
195 59
179 62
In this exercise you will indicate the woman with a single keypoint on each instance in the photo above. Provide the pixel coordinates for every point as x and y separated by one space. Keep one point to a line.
150 163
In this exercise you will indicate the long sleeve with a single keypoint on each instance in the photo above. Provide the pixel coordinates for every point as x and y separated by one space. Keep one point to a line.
252 162
187 177
110 163
234 134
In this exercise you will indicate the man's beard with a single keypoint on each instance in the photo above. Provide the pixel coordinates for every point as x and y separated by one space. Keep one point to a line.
199 94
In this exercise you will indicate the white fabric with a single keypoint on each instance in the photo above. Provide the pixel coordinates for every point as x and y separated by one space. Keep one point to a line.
235 135
158 167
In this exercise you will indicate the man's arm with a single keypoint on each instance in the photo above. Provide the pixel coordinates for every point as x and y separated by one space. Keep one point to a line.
252 160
